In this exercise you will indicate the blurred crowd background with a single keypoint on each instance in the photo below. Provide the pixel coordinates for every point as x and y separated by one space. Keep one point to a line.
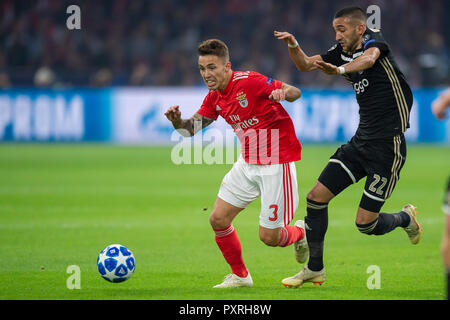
153 43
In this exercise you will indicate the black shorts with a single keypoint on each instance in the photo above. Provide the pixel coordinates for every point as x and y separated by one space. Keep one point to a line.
379 160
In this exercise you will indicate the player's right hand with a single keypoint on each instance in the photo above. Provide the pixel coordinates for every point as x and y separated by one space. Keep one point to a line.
277 95
173 114
285 36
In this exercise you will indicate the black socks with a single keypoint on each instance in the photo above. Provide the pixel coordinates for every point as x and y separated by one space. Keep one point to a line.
386 222
316 226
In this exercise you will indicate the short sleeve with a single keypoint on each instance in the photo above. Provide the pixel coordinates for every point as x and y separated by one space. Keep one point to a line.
375 39
207 109
333 55
263 85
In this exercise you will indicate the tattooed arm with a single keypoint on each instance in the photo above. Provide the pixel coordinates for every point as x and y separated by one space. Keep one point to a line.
187 127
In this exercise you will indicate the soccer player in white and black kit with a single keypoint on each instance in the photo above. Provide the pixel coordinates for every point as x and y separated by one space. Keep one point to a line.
377 151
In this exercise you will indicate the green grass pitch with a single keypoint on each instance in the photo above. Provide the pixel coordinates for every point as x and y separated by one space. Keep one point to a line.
61 204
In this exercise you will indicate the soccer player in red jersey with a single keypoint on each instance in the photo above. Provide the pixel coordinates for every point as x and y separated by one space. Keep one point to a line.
250 103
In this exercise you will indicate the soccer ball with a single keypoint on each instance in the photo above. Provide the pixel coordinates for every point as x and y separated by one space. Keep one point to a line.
116 263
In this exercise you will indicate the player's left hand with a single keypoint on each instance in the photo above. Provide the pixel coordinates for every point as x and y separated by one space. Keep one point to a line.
327 68
277 95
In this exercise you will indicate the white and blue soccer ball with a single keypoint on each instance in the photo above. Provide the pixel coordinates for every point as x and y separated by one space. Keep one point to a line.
116 263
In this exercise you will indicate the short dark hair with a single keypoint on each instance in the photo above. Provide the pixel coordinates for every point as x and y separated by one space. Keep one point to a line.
352 12
214 47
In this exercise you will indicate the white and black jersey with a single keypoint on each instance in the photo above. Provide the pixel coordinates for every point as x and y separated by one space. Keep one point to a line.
383 95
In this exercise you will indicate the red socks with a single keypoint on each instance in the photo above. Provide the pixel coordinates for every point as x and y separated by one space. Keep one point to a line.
289 235
228 242
230 246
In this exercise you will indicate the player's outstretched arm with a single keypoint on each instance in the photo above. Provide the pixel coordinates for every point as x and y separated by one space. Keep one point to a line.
363 62
303 62
287 92
187 127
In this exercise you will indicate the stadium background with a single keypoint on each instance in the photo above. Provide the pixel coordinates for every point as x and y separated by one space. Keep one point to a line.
81 79
74 103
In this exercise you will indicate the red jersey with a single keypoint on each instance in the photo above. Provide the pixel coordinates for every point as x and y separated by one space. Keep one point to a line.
264 128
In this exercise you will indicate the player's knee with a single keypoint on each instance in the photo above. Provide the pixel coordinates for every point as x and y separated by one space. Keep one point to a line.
361 220
315 196
312 195
365 227
445 251
367 216
319 193
270 239
218 221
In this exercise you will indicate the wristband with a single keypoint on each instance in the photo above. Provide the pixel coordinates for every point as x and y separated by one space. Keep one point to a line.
341 70
295 45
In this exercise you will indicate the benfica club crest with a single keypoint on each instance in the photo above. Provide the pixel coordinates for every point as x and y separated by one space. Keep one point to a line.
242 100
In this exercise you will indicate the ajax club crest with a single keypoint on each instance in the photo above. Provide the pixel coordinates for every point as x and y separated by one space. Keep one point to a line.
242 99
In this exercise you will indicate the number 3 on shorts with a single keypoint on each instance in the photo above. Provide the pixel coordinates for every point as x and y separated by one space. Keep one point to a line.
275 212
